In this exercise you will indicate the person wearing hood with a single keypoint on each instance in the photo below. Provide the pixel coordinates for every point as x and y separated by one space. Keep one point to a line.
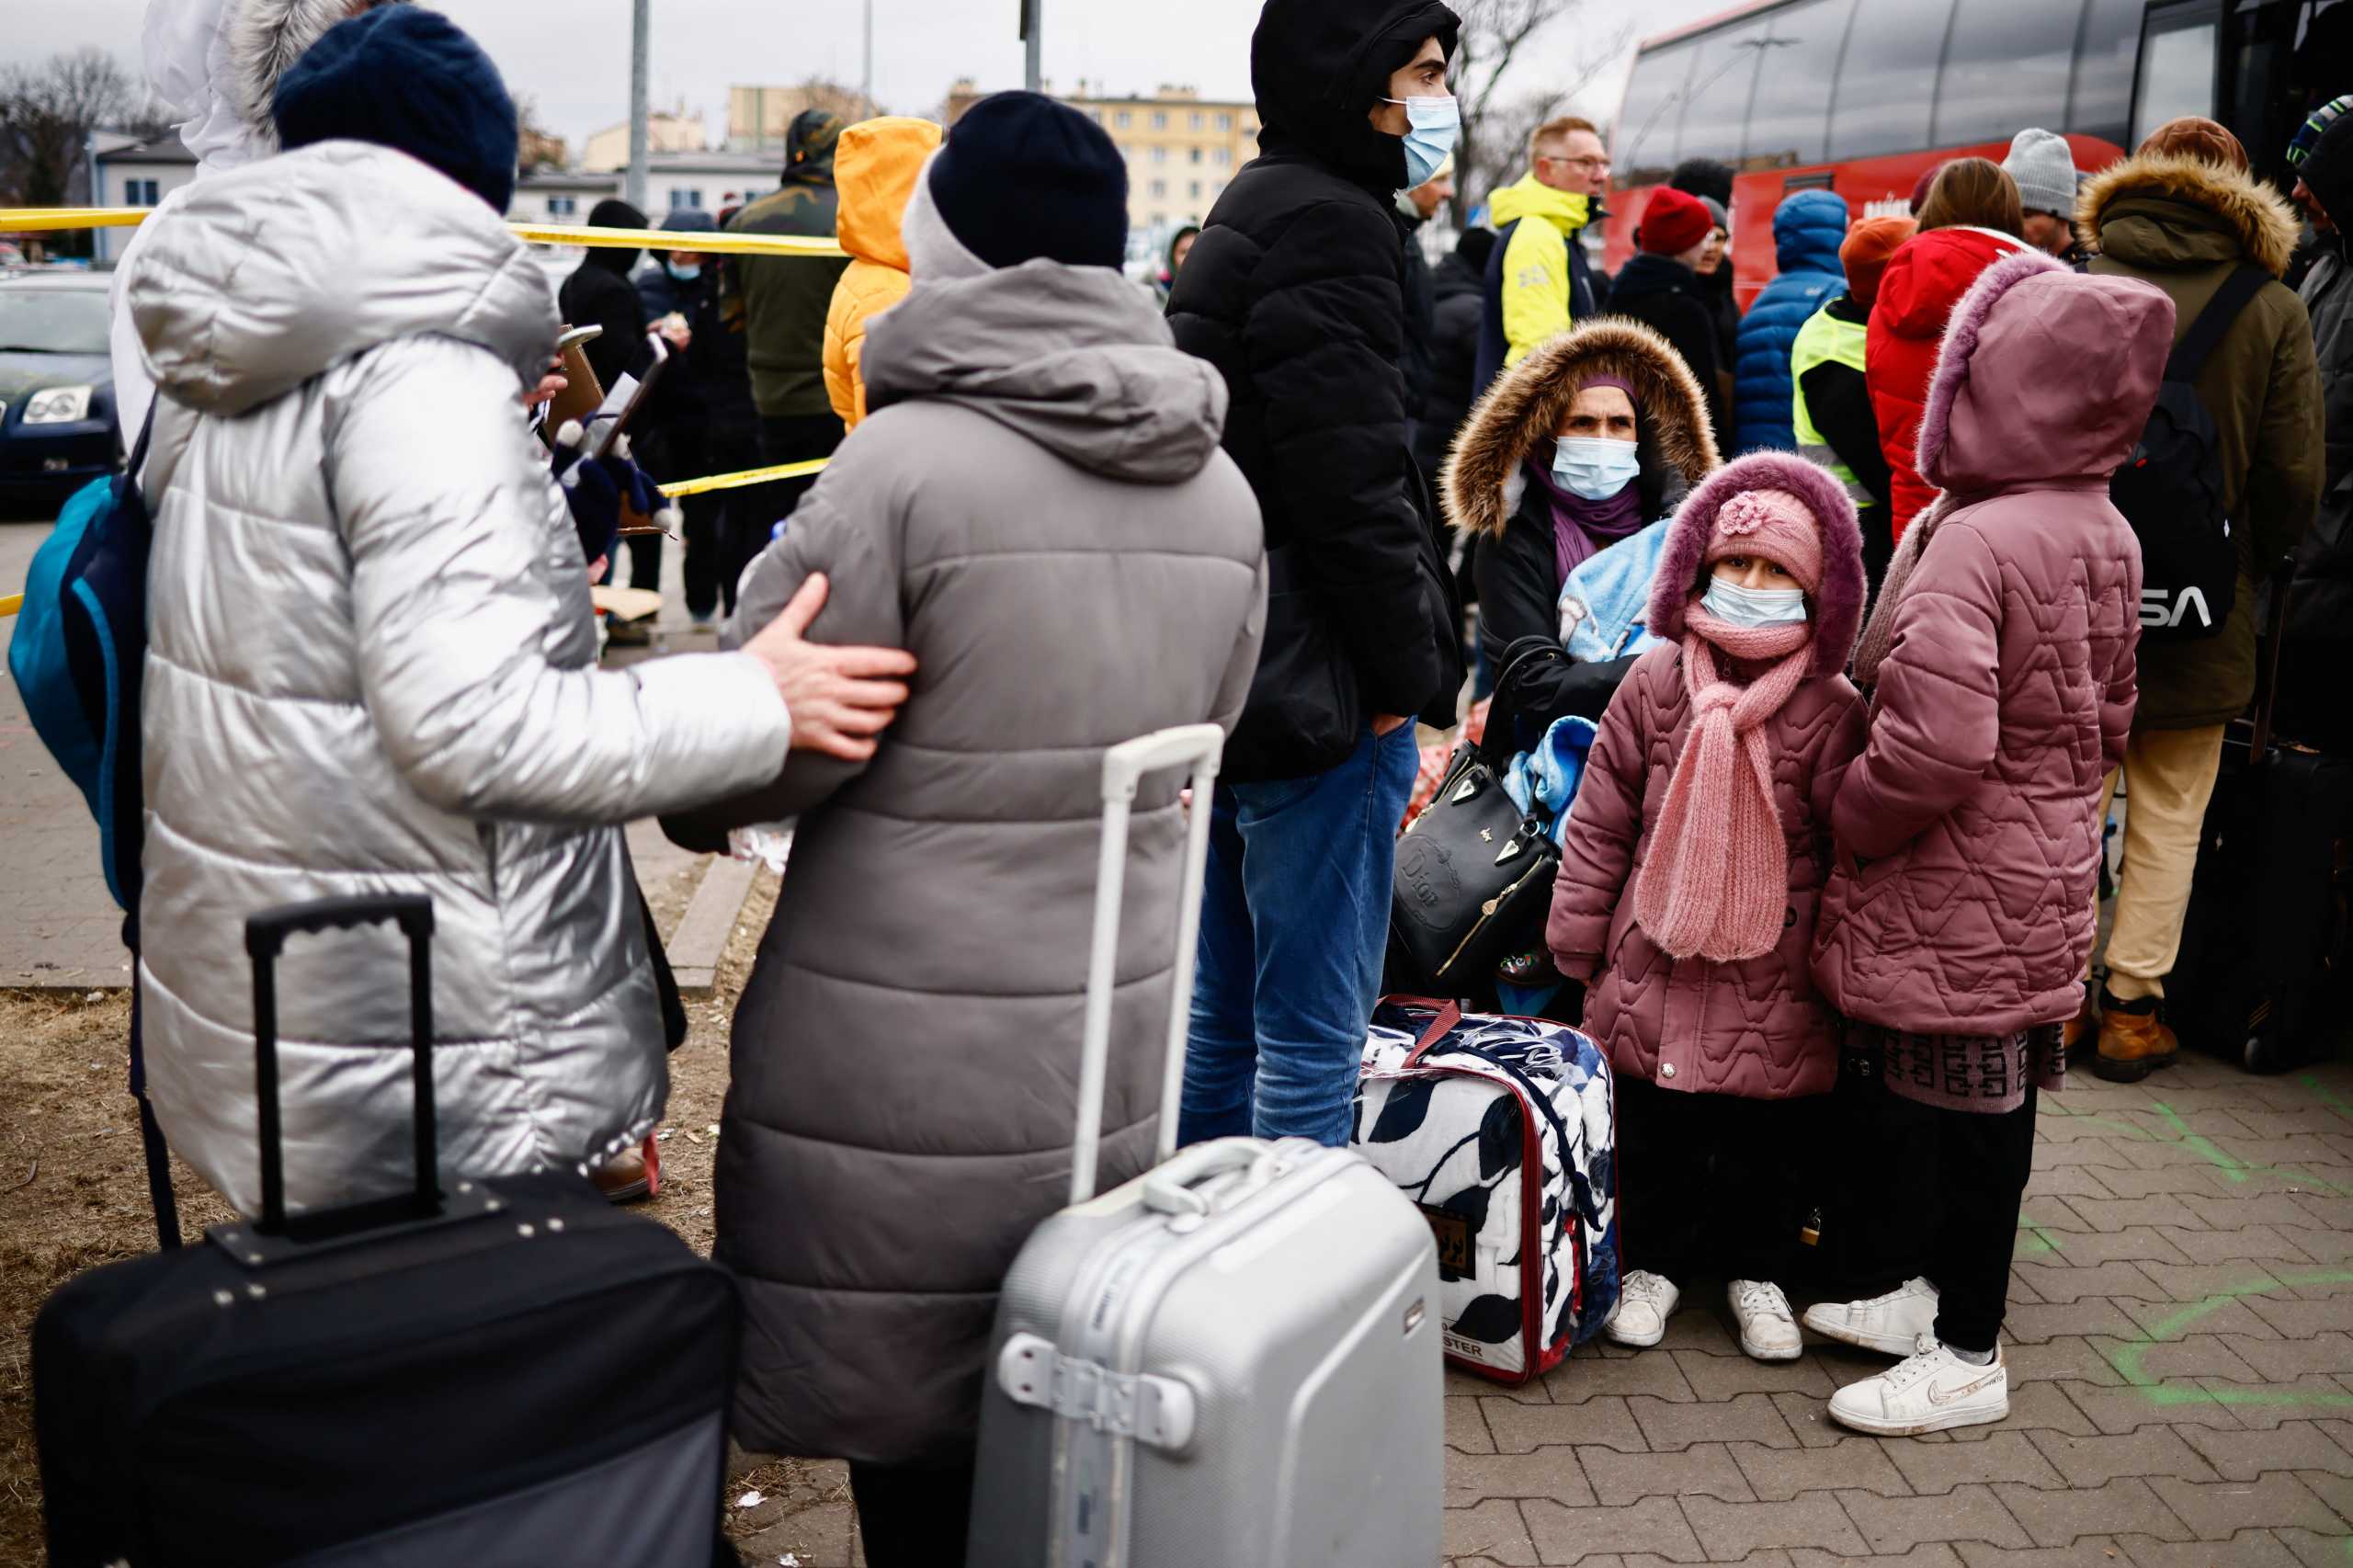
2185 214
1710 180
1959 910
215 65
1659 288
1180 246
1455 294
1969 220
2314 241
2312 706
1589 441
1830 400
783 302
1539 281
1694 854
598 293
1295 294
1808 228
702 418
404 696
1037 507
875 173
2042 167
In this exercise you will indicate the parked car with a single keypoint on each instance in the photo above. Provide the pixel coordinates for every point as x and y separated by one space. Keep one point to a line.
57 419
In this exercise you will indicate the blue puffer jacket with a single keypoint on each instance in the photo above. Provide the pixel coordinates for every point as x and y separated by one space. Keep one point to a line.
1808 228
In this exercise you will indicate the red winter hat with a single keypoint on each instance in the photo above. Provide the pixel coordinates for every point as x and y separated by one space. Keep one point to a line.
1673 223
1870 245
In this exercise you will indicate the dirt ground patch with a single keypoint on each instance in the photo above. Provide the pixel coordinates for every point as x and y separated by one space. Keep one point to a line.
73 1186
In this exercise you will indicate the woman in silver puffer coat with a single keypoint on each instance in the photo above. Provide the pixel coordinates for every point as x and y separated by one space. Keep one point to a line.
372 667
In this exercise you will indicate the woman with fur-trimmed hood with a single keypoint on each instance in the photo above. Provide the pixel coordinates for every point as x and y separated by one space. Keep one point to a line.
1695 854
2184 213
1586 443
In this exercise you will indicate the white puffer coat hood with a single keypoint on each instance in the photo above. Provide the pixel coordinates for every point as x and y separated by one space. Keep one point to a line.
372 667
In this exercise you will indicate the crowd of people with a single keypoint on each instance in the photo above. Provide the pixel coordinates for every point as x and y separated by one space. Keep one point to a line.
1844 592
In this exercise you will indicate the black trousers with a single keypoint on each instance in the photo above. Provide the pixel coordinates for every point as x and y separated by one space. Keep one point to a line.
912 1518
1950 1209
1708 1185
753 511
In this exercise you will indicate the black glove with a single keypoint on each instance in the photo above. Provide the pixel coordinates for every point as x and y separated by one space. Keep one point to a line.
599 490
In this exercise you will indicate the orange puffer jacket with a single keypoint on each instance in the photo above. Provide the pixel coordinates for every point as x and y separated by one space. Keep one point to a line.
875 172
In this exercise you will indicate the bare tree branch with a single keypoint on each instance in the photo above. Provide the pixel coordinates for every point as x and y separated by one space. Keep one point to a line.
1496 35
47 113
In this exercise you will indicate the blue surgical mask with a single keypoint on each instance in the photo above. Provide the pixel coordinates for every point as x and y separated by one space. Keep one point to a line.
1736 605
1595 467
687 273
1432 125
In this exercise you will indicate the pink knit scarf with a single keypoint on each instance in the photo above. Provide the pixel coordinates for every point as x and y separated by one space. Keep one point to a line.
1717 879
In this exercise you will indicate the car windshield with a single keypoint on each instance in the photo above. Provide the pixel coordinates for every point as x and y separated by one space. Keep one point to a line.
53 321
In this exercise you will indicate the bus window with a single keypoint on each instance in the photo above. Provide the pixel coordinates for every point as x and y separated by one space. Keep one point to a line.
1789 116
2178 56
1887 82
2099 103
1715 104
1647 121
2006 67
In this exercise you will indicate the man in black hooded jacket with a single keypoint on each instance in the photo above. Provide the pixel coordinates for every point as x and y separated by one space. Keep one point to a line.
1295 292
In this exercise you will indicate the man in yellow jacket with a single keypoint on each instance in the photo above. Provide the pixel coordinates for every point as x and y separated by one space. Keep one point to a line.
1538 283
875 172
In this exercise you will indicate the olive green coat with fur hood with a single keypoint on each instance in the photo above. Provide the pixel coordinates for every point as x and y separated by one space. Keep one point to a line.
2185 225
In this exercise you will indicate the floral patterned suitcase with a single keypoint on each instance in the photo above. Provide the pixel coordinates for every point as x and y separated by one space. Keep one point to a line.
1502 1132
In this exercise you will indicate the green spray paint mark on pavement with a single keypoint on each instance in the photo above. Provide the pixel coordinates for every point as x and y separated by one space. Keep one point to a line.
2230 1167
2130 1360
2039 1239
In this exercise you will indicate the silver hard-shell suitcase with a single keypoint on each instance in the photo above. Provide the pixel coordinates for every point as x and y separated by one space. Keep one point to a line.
1232 1360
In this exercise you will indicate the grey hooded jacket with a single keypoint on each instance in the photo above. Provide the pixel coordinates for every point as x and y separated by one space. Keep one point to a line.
370 668
1038 509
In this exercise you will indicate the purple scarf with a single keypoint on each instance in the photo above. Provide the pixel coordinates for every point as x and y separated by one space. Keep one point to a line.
1583 528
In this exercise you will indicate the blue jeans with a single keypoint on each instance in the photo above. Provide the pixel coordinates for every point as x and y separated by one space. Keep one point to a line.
1294 926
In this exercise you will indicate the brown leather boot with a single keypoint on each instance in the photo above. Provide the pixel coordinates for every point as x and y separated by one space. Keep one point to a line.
2133 1044
2080 1031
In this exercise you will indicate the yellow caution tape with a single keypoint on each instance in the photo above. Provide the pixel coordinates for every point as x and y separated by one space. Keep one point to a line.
37 220
11 603
749 476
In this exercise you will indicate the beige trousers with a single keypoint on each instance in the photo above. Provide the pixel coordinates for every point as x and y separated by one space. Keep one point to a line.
2169 776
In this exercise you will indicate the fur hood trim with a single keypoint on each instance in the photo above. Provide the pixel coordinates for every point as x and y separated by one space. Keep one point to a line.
267 37
2266 225
1837 602
1960 341
1527 403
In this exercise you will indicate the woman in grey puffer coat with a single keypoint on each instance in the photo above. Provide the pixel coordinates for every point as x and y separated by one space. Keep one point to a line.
371 668
1038 509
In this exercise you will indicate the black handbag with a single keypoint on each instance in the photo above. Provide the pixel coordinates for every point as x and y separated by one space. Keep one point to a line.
1475 872
1305 713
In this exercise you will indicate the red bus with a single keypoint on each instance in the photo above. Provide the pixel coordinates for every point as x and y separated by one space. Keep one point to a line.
1860 95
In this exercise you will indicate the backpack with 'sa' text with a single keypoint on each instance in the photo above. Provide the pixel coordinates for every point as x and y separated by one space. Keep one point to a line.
2170 489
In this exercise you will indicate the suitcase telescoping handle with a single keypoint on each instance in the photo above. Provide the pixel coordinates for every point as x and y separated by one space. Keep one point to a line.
265 937
2274 636
1197 747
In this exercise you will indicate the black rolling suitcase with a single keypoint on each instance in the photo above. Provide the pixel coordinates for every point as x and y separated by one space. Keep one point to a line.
2266 942
507 1373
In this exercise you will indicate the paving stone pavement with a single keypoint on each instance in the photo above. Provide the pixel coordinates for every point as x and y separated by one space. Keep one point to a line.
2180 1349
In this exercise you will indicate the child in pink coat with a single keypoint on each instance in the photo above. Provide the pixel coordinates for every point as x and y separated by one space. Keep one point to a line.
1695 854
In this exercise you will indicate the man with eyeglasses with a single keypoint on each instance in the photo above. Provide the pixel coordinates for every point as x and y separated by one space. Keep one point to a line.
1539 282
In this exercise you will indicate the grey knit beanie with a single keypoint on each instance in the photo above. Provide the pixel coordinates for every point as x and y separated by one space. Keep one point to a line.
2044 169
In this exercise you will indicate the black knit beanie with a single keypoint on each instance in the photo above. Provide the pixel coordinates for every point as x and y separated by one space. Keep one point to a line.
405 77
1022 177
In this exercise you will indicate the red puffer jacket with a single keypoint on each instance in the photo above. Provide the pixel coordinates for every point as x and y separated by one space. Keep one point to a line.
1916 294
1968 832
1754 1028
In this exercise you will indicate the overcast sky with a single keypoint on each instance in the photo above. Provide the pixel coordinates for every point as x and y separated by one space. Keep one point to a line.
574 57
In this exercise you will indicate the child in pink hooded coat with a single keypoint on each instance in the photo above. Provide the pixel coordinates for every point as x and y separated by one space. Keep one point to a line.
1958 921
1695 854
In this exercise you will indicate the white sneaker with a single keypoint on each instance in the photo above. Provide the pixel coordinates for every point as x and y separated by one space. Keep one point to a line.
1931 1392
1890 1325
1769 1330
1645 1300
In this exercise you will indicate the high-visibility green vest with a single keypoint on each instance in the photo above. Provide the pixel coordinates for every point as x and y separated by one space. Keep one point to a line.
1825 339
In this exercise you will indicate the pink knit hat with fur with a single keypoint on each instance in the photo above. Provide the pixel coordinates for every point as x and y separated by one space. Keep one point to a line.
1775 525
